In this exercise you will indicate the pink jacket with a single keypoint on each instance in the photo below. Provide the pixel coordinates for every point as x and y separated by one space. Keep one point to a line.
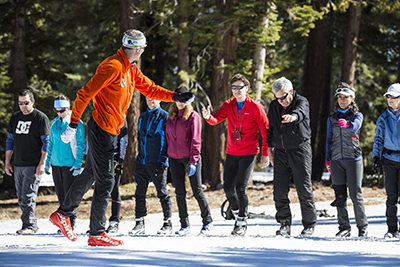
184 137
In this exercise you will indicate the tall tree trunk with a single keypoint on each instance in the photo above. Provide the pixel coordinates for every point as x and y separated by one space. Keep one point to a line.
214 144
130 19
315 87
183 48
20 79
350 44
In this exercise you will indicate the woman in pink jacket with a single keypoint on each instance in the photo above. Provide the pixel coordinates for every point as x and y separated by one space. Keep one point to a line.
184 145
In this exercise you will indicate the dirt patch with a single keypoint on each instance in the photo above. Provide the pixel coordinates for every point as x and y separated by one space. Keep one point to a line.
258 195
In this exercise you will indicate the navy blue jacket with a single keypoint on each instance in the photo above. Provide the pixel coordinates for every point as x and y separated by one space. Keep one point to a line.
152 143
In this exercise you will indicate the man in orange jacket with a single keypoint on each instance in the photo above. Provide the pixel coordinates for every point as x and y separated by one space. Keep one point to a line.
111 89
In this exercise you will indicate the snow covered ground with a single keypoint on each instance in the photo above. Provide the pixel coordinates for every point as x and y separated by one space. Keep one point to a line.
260 246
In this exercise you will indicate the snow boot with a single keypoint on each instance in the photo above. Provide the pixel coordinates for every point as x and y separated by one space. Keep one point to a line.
344 233
139 227
183 231
362 232
206 229
113 227
285 229
240 227
166 229
307 231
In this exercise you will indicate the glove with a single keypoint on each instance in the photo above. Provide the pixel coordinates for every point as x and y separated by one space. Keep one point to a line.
328 165
47 169
118 169
185 98
68 134
191 169
165 164
118 160
75 171
376 164
343 123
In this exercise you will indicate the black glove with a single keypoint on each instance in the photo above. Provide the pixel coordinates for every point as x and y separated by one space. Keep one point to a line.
182 97
376 164
160 168
118 169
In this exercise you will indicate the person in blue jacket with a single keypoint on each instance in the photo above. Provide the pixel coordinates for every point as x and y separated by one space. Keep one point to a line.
387 148
119 156
65 159
151 165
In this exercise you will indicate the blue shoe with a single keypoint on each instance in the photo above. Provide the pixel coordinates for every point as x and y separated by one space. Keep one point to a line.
183 231
206 229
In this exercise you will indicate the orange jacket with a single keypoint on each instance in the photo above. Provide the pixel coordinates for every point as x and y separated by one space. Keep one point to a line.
112 88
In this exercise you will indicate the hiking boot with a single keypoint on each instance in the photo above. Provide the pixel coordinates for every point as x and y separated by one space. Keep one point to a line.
344 233
27 231
390 235
183 231
240 226
103 240
206 229
64 224
139 227
363 232
284 230
166 229
307 231
113 227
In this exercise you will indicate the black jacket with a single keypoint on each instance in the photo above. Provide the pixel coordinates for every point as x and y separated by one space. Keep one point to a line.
289 135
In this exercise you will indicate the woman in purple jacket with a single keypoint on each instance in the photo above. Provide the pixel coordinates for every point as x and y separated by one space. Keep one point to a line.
184 145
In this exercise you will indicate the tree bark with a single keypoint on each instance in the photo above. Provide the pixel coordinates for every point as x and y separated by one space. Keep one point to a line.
130 19
350 44
214 144
316 87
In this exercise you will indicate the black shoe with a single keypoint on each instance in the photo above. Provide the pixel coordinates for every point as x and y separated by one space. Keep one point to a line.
240 226
284 230
307 231
344 233
139 227
113 227
363 232
166 229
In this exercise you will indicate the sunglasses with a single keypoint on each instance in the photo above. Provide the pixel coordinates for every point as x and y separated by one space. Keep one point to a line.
282 98
23 103
60 111
235 87
392 97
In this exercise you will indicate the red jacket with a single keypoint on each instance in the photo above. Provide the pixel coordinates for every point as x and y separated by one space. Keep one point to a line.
184 137
254 118
112 88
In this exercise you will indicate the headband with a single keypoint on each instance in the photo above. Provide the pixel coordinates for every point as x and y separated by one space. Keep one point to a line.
61 103
133 42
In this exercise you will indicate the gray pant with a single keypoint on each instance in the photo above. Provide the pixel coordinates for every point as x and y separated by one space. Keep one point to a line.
350 173
27 185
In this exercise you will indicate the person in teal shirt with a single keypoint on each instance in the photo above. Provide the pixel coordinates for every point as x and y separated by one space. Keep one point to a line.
65 159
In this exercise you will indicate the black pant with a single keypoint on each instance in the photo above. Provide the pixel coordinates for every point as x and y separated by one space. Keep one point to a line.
143 175
99 168
391 177
237 170
115 196
296 163
177 168
63 179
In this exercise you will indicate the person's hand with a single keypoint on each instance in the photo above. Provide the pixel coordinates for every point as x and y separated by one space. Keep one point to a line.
206 112
40 169
68 134
287 118
75 171
343 123
165 164
271 155
376 164
264 162
185 98
47 169
8 168
328 165
191 169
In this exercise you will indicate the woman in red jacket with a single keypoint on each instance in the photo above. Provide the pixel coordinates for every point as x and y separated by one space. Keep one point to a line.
245 116
184 145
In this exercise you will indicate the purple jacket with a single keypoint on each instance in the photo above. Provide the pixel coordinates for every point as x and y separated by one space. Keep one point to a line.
184 137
